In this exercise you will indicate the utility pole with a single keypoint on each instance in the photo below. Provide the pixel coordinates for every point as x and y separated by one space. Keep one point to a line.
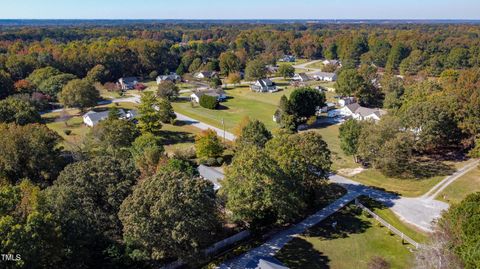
223 124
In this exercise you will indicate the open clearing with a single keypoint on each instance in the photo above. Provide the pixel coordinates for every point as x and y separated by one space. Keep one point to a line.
465 185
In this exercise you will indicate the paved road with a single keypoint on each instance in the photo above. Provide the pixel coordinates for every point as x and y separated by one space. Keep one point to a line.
278 241
417 211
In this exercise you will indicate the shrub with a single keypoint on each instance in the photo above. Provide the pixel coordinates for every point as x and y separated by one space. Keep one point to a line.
153 75
208 101
67 132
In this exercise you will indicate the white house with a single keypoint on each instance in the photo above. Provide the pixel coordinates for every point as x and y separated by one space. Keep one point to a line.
264 85
302 77
204 74
173 77
218 93
92 118
128 83
325 76
358 112
288 59
332 62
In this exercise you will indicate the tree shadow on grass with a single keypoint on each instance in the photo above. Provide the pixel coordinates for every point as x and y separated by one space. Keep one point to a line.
300 254
426 168
171 137
347 221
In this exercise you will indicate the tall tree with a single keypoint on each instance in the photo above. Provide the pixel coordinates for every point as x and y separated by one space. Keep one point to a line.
208 145
255 70
167 89
349 135
177 210
253 133
229 63
304 102
6 84
79 93
18 111
29 151
257 190
165 109
150 120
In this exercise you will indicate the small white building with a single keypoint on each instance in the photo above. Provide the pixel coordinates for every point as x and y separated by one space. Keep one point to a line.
301 77
173 77
288 59
92 118
332 62
357 112
205 74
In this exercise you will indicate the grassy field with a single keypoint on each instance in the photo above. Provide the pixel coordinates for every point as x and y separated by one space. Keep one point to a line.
243 102
465 185
352 244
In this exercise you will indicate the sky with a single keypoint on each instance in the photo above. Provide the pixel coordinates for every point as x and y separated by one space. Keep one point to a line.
240 9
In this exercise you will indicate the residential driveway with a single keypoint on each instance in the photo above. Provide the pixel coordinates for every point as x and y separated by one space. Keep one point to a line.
310 70
418 211
203 126
278 241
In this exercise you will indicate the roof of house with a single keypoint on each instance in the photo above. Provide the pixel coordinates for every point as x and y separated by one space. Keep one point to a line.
365 111
206 73
324 74
210 92
303 76
265 82
96 117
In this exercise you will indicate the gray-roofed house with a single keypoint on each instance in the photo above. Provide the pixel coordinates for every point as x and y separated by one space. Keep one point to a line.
220 94
358 112
173 77
205 74
264 85
92 118
128 83
332 62
211 174
302 77
325 76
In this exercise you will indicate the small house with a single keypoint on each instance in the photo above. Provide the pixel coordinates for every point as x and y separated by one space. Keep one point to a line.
357 112
264 85
325 76
272 69
128 83
218 93
205 74
332 62
92 118
173 77
301 77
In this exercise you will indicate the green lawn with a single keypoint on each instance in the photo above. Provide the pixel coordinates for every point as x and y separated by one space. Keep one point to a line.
243 102
463 186
330 135
352 244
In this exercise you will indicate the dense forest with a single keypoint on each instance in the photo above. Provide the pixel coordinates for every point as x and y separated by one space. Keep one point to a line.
119 202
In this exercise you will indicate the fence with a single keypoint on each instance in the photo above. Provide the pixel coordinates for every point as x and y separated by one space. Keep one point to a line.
388 225
213 249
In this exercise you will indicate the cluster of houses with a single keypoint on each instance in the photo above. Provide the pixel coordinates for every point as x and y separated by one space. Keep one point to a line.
92 118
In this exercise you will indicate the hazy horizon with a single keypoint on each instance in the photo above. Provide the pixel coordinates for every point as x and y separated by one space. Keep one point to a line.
243 10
